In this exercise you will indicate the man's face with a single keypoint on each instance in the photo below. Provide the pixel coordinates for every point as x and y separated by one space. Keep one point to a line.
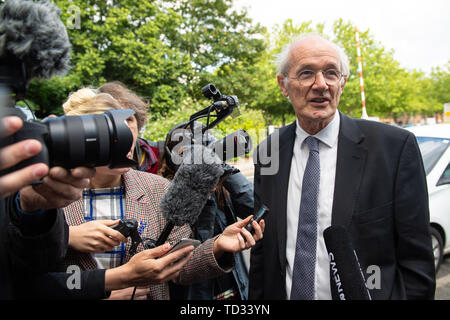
132 124
316 104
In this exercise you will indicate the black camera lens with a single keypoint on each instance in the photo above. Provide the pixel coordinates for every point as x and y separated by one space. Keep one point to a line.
211 92
90 140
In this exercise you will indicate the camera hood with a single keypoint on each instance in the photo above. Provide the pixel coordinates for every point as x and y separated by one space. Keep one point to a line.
121 138
91 140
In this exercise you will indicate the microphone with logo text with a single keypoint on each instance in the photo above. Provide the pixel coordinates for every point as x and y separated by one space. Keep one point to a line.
190 188
347 278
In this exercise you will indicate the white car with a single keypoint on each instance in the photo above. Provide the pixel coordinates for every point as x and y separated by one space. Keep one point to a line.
434 142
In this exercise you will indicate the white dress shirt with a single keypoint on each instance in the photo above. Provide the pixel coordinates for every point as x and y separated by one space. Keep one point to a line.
328 138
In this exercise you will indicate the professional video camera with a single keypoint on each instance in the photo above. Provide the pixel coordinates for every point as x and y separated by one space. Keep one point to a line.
192 132
34 44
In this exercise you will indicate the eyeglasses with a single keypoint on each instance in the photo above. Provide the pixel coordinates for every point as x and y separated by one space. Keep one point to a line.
308 77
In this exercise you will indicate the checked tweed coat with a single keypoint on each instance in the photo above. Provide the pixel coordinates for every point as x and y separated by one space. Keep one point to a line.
143 192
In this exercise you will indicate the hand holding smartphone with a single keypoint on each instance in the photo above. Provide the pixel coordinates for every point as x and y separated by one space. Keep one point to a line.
257 217
183 243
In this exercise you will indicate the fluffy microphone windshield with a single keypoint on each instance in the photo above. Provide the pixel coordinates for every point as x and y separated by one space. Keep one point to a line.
33 32
191 186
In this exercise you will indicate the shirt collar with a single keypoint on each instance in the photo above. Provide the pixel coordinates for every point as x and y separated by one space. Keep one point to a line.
327 135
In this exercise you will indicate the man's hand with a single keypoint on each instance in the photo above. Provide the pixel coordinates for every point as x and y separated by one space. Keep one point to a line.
145 269
14 154
95 236
236 238
60 188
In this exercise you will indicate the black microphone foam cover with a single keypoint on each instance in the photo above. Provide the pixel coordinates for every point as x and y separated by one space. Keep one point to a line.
347 279
33 32
191 186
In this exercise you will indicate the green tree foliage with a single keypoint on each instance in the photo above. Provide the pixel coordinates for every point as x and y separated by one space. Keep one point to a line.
212 33
439 90
390 90
381 73
222 44
119 40
157 130
166 50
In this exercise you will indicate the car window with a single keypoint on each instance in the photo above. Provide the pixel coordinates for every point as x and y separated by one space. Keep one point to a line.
432 149
445 178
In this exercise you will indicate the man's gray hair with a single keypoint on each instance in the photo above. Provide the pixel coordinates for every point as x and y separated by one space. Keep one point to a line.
282 59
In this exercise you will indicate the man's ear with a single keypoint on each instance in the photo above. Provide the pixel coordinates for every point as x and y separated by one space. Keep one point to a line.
343 83
281 83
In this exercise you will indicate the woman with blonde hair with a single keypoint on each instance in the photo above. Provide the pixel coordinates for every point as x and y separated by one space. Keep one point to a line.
127 193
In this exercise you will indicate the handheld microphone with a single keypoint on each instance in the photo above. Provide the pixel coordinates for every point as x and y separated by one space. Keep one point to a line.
347 279
190 188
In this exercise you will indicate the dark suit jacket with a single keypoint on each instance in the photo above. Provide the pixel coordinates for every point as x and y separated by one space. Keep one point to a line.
30 245
380 196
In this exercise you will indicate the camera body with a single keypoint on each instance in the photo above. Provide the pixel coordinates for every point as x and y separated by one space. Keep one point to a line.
186 134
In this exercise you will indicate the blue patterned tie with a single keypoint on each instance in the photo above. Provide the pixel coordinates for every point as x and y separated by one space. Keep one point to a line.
305 250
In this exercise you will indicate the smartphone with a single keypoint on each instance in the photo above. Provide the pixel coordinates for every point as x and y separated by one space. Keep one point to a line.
183 243
257 217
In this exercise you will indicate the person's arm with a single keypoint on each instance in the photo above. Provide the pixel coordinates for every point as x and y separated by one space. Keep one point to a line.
30 223
143 269
414 250
241 194
95 236
35 237
215 256
38 234
57 190
36 242
235 238
86 285
148 267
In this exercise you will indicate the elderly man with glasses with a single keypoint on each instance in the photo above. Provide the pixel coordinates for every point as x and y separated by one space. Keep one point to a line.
364 176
